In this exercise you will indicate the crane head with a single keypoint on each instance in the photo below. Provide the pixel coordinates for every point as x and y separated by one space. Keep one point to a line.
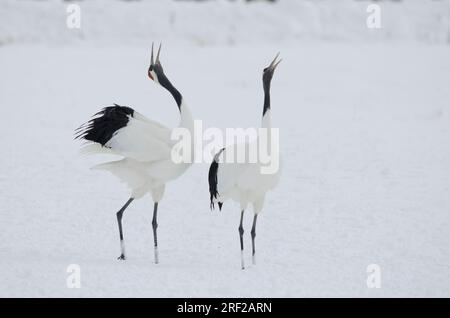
269 70
155 69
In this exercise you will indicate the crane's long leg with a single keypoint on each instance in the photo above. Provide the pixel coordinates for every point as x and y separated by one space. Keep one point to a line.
119 221
241 237
155 226
253 238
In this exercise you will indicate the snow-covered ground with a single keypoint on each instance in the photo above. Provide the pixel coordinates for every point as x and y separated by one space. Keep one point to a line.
223 22
365 140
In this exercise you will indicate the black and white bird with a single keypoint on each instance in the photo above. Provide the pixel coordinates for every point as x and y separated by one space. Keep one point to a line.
144 144
244 182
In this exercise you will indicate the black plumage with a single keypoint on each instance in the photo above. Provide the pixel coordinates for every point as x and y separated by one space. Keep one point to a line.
105 124
212 180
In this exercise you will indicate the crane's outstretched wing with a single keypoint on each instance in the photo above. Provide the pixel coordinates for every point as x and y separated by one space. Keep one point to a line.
123 131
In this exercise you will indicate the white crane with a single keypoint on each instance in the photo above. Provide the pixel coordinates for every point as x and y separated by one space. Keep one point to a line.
144 144
244 182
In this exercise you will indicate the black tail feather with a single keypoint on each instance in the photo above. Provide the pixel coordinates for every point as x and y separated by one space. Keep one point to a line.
212 180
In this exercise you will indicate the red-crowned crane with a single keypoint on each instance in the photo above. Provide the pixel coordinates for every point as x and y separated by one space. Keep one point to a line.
144 144
244 182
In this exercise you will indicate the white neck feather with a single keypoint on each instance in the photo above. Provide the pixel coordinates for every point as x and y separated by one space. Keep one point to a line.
266 120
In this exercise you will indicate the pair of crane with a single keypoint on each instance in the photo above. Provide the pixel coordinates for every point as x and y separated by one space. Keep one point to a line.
147 166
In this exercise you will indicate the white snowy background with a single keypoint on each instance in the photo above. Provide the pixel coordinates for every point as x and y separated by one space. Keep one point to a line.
364 116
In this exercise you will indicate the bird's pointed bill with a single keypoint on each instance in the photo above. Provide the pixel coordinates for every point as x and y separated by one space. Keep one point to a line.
157 55
275 63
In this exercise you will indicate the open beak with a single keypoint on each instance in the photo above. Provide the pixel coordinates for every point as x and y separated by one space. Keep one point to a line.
152 62
274 63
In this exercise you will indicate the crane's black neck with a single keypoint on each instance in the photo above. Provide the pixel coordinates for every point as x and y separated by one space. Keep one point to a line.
164 81
266 85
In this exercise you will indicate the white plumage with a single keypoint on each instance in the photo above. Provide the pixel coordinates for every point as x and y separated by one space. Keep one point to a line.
144 145
244 182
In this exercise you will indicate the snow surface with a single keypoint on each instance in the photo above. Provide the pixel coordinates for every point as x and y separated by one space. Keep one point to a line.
365 130
223 22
